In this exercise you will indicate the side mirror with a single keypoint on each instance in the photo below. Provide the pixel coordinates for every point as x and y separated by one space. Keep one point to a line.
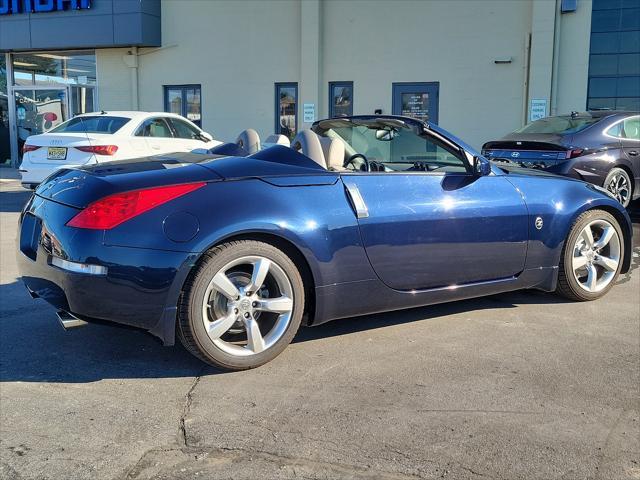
206 137
481 166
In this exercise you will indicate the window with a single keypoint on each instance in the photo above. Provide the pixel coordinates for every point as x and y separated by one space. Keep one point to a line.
628 128
93 124
614 61
564 125
183 129
184 100
286 109
154 127
340 99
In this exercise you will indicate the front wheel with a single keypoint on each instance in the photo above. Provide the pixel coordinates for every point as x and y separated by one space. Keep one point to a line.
592 257
242 306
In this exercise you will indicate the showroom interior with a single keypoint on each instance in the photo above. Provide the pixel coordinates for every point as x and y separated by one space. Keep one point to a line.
294 62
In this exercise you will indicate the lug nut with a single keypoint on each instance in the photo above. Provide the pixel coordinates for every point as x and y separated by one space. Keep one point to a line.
246 315
248 294
254 304
235 310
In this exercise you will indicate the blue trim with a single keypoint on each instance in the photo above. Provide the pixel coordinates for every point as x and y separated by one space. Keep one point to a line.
184 89
276 110
432 88
333 85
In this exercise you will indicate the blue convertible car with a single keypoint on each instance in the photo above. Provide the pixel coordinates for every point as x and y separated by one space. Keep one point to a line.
234 250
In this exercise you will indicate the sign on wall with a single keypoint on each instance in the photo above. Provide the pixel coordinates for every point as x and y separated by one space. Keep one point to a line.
9 7
309 112
538 109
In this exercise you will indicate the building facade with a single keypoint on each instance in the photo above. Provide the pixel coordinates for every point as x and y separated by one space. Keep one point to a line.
478 68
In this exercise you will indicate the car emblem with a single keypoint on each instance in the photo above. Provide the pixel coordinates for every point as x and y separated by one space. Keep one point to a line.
515 154
245 305
539 223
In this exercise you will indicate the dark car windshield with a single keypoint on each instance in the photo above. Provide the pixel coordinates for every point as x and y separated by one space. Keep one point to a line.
558 125
94 124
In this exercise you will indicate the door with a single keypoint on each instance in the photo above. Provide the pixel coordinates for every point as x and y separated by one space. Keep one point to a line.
38 110
426 221
417 100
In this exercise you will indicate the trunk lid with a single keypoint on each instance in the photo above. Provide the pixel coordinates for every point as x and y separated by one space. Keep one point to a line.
60 148
78 187
530 151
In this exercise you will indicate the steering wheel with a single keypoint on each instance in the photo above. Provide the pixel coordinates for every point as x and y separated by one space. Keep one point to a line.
363 166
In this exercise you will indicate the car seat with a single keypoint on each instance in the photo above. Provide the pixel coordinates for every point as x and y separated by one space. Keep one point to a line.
308 143
249 140
277 139
334 152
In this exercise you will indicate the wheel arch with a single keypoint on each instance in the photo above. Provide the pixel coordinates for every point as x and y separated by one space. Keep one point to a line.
624 223
282 243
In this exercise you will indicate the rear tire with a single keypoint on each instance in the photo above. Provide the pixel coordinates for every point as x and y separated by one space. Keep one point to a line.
241 306
591 257
618 182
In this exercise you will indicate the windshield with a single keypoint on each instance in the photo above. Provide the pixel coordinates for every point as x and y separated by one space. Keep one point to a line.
93 124
394 145
558 125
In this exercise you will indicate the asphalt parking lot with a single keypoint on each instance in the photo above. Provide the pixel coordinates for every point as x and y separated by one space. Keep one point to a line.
516 386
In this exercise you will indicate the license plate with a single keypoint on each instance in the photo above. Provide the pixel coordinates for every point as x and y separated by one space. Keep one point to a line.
57 153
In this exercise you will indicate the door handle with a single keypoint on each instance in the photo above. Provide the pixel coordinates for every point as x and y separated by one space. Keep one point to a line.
357 202
633 153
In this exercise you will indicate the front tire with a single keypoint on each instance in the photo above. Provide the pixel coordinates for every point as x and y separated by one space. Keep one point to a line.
618 182
591 257
241 306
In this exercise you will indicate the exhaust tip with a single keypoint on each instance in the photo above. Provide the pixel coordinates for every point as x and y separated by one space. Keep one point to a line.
68 321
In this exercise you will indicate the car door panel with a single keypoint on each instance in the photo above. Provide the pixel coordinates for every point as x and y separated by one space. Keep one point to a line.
428 231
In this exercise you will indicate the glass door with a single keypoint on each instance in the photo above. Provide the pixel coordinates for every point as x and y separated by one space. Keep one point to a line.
417 100
5 141
38 110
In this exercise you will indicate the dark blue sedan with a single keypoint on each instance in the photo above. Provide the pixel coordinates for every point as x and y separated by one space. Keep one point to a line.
232 253
599 147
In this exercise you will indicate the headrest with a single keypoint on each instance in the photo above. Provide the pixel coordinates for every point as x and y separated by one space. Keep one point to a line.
333 150
308 143
278 139
249 140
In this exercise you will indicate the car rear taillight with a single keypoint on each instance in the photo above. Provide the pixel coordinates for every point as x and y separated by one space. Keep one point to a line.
29 148
100 149
576 152
111 211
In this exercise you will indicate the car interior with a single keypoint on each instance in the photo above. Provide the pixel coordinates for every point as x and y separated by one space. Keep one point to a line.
380 145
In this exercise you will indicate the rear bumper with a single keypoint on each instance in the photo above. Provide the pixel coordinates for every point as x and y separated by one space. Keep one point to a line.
140 287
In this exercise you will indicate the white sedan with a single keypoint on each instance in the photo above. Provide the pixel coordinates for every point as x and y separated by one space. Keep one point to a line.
108 136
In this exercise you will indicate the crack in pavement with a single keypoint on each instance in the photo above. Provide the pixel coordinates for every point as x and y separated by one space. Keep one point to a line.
187 407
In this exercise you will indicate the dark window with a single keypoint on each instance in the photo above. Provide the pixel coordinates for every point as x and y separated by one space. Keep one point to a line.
340 99
183 129
286 109
614 63
558 125
184 100
154 127
94 124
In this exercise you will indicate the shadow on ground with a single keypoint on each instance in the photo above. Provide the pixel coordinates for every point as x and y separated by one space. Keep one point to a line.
35 348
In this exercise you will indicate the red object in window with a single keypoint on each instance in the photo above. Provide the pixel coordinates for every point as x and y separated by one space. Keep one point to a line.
50 117
29 148
100 149
111 211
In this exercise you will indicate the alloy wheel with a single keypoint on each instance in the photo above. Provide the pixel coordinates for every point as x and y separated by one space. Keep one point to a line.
619 186
596 256
247 306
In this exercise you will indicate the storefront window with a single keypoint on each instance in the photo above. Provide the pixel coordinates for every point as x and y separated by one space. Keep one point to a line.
340 99
287 109
5 149
60 68
185 100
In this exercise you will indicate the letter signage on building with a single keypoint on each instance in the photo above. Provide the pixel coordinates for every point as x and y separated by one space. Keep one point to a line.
10 7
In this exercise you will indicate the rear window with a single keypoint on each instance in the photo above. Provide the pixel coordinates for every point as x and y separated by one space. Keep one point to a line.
94 124
558 125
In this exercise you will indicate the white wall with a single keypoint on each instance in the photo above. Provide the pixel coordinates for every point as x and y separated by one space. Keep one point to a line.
238 49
